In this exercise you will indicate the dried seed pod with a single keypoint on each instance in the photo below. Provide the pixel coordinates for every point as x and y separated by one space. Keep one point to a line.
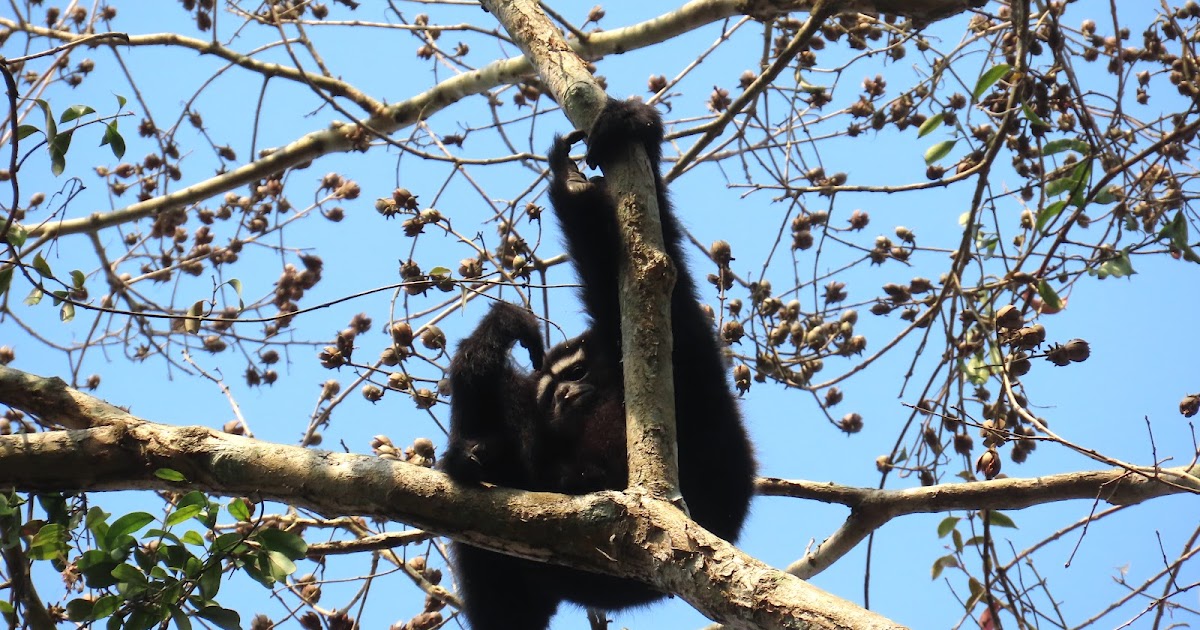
424 398
926 477
399 381
1029 337
433 338
721 253
372 393
1078 350
732 332
402 333
380 441
1190 405
1058 356
851 423
988 464
1018 364
1009 318
741 378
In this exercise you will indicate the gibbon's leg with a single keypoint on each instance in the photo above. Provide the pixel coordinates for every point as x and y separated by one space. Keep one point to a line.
501 592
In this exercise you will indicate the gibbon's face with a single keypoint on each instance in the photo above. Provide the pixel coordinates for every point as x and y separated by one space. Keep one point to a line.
566 386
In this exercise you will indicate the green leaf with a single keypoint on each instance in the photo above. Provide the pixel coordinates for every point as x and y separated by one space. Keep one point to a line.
66 313
946 526
237 287
128 573
1061 185
49 543
24 131
1046 215
286 543
978 370
226 543
239 509
58 152
222 617
77 278
210 581
939 151
96 522
258 573
941 563
184 513
6 276
105 606
930 124
120 101
1106 195
1032 116
97 573
1049 296
279 566
1118 266
976 588
192 538
41 266
75 111
17 235
989 78
155 532
51 128
192 321
1000 519
79 609
127 525
956 536
195 497
180 618
166 474
1066 144
112 137
1176 230
34 298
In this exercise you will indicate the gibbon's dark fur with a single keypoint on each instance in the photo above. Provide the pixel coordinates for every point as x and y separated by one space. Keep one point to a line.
561 428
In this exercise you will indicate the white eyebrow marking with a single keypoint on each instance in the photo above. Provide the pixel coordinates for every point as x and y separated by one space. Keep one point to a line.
554 370
567 362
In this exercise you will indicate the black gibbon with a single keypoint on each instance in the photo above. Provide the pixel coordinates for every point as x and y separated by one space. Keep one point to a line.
561 428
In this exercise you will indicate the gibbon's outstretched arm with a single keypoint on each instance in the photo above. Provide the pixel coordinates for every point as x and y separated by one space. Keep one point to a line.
493 427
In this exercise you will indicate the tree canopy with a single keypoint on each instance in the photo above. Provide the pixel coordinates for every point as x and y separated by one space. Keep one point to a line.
947 245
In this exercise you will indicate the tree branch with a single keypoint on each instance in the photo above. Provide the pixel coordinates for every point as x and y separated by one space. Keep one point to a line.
632 536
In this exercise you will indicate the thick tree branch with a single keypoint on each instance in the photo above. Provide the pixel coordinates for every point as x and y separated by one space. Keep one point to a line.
627 535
